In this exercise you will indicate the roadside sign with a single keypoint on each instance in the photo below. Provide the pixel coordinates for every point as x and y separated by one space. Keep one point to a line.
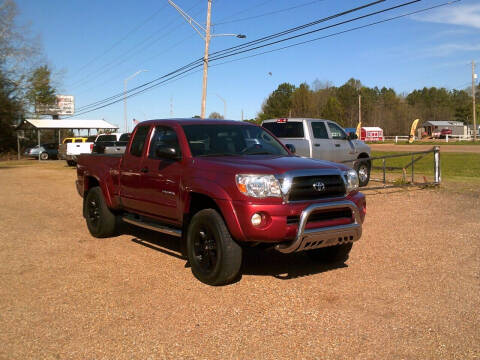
64 105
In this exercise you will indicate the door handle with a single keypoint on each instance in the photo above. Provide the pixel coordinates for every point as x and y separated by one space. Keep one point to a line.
317 145
337 145
144 170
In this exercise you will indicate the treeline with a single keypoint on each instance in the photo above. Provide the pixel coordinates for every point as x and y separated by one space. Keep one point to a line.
381 107
25 81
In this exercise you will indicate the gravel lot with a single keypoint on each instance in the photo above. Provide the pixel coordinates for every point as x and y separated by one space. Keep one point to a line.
411 289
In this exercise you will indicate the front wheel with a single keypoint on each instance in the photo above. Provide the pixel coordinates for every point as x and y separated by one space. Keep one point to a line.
101 222
331 254
214 256
363 170
44 156
71 163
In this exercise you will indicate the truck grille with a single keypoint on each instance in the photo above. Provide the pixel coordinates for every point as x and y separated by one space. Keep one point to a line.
322 216
304 189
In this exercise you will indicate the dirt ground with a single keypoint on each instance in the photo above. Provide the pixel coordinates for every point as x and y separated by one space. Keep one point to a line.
410 290
443 148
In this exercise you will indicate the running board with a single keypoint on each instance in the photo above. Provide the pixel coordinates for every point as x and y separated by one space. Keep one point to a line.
153 226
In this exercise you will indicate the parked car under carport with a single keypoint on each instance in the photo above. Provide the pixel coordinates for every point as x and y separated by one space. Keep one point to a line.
45 151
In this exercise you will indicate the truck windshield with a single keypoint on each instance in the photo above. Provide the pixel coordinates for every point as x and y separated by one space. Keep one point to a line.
227 140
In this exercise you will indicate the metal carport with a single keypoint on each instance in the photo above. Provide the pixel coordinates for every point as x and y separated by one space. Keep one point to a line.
39 124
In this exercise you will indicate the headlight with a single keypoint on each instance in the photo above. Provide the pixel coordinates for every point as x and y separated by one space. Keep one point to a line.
259 186
351 180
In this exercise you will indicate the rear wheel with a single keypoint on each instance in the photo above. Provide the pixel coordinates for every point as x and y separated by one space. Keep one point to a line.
214 256
44 156
71 163
101 222
363 170
331 254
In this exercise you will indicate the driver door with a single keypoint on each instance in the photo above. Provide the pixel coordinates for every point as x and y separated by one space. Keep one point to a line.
160 178
343 149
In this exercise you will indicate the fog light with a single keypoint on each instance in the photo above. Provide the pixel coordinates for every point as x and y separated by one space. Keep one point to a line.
256 219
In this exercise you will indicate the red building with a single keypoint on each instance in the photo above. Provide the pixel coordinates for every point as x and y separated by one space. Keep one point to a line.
368 133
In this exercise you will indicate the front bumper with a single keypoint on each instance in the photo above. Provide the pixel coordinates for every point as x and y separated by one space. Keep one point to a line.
297 226
308 239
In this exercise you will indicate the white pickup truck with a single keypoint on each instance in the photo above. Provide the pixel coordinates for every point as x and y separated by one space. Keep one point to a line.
325 140
70 151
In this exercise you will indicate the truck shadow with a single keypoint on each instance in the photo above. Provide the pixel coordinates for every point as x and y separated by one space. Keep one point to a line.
269 262
256 261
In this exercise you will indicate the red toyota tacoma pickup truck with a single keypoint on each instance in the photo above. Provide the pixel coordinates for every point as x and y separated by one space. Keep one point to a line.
220 186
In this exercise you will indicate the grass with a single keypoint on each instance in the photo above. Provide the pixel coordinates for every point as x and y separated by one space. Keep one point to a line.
458 167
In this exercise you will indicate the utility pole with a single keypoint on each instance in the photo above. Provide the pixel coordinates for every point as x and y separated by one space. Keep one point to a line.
359 108
201 31
171 107
473 102
242 114
205 60
125 82
224 106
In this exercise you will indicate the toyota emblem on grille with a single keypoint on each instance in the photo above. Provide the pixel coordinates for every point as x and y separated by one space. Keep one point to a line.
319 186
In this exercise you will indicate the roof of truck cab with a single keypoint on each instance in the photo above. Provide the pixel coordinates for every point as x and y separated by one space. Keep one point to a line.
195 121
294 119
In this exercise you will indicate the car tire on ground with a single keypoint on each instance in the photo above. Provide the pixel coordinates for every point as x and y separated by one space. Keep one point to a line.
71 163
214 256
101 222
331 254
44 156
362 167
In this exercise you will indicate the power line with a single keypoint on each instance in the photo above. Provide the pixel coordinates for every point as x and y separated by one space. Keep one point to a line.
339 33
121 39
124 57
195 64
253 42
268 13
291 30
231 53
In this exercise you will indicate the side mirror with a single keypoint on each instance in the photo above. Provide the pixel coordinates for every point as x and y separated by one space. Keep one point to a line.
167 152
291 148
352 136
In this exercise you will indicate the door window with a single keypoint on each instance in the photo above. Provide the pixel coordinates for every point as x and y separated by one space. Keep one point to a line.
319 130
337 132
163 136
139 141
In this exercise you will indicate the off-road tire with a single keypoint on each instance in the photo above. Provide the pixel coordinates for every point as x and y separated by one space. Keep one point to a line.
362 167
71 163
101 222
331 254
215 258
44 156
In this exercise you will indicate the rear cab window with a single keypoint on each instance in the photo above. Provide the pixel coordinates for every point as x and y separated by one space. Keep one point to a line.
138 142
288 129
103 138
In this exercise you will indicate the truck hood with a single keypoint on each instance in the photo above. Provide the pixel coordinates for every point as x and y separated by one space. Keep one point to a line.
262 164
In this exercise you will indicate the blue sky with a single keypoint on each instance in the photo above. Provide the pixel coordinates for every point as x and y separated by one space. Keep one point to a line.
95 45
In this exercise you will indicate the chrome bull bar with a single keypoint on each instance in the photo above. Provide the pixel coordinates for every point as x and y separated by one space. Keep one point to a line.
308 239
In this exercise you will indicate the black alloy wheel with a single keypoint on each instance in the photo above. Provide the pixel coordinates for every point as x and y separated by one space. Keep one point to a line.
205 248
214 256
101 222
